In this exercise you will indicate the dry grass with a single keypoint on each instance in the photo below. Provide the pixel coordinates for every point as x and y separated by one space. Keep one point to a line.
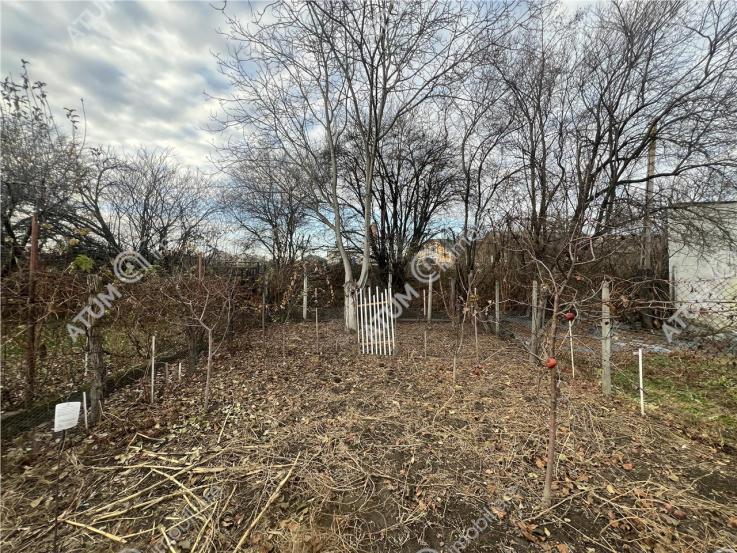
306 452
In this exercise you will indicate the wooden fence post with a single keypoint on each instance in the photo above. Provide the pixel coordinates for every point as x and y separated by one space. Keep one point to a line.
84 410
429 301
153 366
29 391
642 386
570 340
96 363
453 298
317 327
304 298
533 325
476 321
497 307
263 310
606 340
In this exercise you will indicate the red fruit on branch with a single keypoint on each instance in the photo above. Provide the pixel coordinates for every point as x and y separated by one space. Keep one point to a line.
551 363
570 316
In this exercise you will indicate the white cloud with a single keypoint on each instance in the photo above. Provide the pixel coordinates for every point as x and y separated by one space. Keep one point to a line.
142 67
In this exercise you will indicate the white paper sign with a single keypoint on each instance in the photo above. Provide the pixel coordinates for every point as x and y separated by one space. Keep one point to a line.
66 415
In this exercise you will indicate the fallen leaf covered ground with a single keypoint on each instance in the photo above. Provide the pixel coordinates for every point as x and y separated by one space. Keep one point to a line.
311 447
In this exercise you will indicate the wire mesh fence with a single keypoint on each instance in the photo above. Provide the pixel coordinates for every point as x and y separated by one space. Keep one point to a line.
660 317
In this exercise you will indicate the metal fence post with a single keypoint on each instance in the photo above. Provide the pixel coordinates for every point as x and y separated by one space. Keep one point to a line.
606 340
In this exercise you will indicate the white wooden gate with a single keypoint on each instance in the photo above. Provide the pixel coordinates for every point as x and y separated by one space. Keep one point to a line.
375 321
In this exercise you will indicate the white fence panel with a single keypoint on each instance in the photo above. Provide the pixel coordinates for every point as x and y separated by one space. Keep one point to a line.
375 321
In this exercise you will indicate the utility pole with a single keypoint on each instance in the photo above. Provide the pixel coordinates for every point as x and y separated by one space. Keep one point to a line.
647 230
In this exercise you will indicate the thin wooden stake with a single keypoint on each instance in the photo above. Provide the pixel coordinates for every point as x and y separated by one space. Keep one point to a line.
391 320
476 323
364 322
429 301
153 366
570 339
180 371
356 302
304 297
84 410
453 298
642 386
497 307
377 316
317 326
56 494
381 320
359 319
263 311
372 323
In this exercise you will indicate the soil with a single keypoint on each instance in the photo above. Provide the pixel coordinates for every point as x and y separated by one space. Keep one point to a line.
311 447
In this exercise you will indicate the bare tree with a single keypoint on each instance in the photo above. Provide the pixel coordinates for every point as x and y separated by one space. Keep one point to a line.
393 57
204 304
590 93
39 163
155 205
478 116
266 199
415 183
289 99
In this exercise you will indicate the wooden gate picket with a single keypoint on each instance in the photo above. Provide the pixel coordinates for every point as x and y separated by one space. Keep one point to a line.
375 321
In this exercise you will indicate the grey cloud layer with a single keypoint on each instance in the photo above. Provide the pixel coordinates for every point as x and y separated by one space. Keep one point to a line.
141 67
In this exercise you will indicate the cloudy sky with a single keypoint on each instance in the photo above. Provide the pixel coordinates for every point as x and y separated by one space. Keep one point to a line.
142 68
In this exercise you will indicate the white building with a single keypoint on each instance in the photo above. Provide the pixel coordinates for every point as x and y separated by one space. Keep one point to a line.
702 250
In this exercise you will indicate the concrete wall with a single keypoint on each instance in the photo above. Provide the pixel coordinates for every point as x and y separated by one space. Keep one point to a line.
703 261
